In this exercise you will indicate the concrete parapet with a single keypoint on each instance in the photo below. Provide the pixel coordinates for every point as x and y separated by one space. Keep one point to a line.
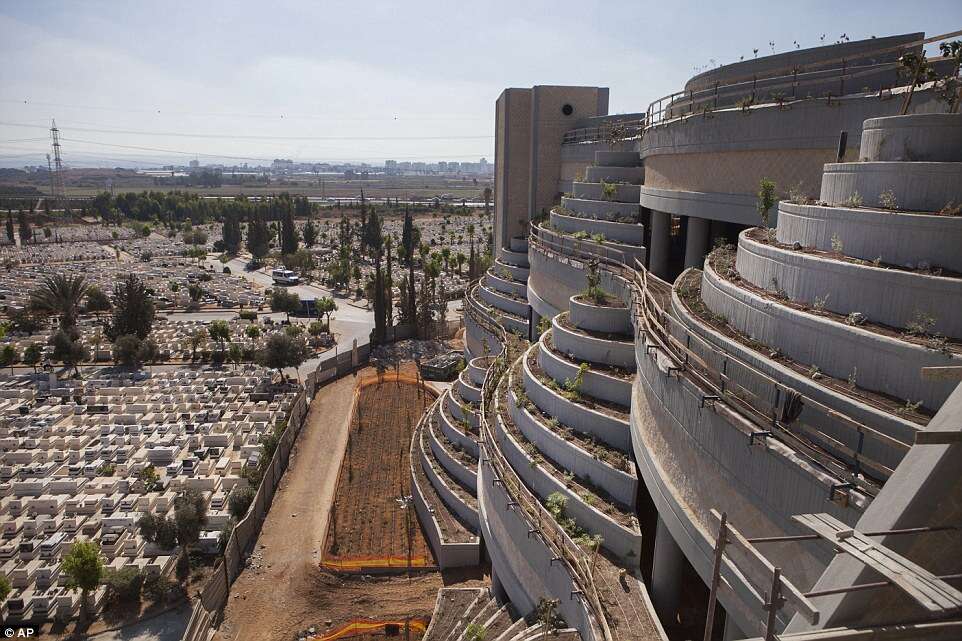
617 159
874 361
624 193
729 208
517 258
915 186
602 209
914 137
458 470
504 285
633 175
503 302
598 318
595 384
589 348
896 238
888 296
626 233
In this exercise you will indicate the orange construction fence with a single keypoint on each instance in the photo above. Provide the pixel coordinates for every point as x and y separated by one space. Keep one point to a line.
362 563
367 626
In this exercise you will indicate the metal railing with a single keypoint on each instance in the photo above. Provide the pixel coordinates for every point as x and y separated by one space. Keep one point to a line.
773 86
760 416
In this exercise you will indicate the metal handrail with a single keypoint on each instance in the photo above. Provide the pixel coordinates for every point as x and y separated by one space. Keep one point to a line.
574 559
735 400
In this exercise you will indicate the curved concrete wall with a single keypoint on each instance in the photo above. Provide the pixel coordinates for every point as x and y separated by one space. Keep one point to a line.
477 368
502 302
523 563
917 186
476 337
467 390
517 273
594 384
759 487
596 318
540 306
500 284
879 363
729 208
592 191
627 233
622 486
634 175
596 350
888 296
513 257
609 429
926 137
454 432
451 499
601 209
452 465
684 327
622 542
896 238
448 554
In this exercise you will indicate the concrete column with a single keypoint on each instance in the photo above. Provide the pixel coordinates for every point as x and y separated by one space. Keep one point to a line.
696 245
667 573
660 243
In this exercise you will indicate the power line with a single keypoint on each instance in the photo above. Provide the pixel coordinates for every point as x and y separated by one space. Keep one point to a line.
172 134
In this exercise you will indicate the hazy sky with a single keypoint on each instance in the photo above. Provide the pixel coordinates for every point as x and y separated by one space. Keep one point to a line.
240 81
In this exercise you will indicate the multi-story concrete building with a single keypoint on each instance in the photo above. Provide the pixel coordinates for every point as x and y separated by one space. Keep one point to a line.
713 372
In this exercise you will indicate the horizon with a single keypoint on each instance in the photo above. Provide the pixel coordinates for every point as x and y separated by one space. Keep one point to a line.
138 87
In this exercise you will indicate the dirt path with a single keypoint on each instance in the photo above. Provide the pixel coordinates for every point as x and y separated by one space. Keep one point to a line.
272 598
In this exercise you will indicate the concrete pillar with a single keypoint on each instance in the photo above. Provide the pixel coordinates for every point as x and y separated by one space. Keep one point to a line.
667 573
696 245
497 588
660 243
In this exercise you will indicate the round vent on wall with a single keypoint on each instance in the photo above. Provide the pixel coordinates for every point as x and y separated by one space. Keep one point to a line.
567 109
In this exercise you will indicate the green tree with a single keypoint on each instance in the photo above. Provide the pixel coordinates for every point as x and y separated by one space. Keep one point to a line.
60 295
24 227
190 516
159 530
149 477
285 301
197 340
5 587
219 331
8 356
288 232
133 310
10 232
123 585
231 233
239 500
127 350
97 300
252 332
84 568
235 353
32 355
258 236
310 233
281 351
68 349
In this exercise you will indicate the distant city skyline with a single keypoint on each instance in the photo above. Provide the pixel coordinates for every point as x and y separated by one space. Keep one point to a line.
145 85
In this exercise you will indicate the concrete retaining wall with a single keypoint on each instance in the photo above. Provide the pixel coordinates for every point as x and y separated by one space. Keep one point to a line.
683 324
500 284
888 296
502 302
609 429
452 465
467 390
622 486
729 208
596 350
595 384
634 175
601 209
513 257
879 363
476 337
524 564
626 233
917 186
453 502
592 191
596 318
449 555
925 137
518 273
620 541
896 238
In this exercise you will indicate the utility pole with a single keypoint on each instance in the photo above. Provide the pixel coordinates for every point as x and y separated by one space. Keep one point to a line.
58 189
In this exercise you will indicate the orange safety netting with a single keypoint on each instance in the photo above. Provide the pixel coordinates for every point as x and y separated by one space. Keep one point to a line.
366 626
361 563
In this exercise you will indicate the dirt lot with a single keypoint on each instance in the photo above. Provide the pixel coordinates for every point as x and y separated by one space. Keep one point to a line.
369 523
283 591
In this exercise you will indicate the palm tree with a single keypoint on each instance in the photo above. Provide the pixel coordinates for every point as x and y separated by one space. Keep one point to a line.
61 296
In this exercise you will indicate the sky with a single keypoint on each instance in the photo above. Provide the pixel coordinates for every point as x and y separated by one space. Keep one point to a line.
139 84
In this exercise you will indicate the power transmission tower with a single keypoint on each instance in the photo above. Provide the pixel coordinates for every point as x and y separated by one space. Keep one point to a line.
58 189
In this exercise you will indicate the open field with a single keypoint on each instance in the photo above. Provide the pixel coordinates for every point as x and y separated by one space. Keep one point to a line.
367 525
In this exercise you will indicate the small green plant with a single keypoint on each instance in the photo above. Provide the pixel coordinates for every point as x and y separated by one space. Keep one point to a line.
837 245
853 378
766 199
580 235
574 386
608 190
544 324
916 67
921 324
854 201
598 238
950 209
887 200
475 632
909 407
948 88
819 303
594 293
797 195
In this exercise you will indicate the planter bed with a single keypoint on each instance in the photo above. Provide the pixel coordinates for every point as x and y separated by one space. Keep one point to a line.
468 390
613 430
603 383
458 499
591 508
599 347
461 410
629 233
507 286
517 272
609 319
452 528
455 462
580 455
455 431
